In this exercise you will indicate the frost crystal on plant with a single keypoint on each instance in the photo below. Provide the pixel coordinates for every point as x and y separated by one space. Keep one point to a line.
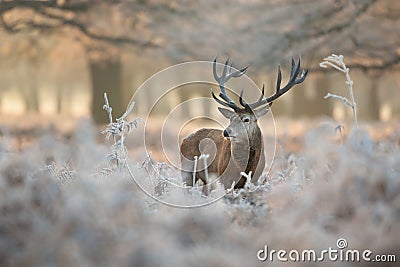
118 130
336 62
63 174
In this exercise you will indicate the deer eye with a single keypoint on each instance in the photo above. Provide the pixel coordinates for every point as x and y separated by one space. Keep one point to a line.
246 120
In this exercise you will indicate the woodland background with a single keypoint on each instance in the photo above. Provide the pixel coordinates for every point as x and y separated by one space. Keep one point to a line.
59 57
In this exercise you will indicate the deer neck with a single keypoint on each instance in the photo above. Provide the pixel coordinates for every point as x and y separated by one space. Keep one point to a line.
253 147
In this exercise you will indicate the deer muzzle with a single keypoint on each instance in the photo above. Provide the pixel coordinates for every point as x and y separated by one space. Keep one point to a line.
226 134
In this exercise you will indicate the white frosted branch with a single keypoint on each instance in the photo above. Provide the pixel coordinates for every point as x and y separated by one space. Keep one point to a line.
249 185
107 107
344 99
325 65
337 62
128 109
205 158
194 170
118 131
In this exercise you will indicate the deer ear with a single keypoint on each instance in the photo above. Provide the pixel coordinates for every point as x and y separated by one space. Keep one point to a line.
226 112
262 111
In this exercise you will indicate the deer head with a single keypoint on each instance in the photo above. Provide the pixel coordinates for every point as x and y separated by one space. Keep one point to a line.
243 120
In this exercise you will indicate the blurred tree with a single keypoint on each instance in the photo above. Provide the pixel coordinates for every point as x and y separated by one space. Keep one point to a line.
99 27
372 110
308 102
24 54
105 76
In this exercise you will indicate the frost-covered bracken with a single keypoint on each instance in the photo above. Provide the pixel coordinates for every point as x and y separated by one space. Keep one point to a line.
337 62
308 201
118 131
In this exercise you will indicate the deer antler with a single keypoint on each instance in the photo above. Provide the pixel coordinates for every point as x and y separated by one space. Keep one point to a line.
227 74
294 79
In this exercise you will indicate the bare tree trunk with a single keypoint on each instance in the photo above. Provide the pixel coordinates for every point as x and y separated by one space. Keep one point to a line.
32 98
321 107
106 76
300 103
372 110
59 99
309 100
30 92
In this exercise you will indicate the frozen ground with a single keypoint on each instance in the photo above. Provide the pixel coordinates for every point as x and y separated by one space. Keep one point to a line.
61 207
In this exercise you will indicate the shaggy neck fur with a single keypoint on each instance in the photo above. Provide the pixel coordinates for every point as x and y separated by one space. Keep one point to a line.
247 161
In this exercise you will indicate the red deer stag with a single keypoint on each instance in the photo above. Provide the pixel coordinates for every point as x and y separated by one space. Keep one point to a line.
239 148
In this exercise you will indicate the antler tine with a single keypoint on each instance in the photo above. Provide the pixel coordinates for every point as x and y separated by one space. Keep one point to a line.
249 107
293 67
294 73
302 77
279 79
227 74
241 100
293 80
226 104
262 93
221 80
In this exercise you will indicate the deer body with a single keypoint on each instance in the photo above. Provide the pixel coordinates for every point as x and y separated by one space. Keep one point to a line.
239 148
231 159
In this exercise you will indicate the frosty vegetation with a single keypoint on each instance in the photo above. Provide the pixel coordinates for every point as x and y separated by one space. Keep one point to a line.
337 62
59 208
